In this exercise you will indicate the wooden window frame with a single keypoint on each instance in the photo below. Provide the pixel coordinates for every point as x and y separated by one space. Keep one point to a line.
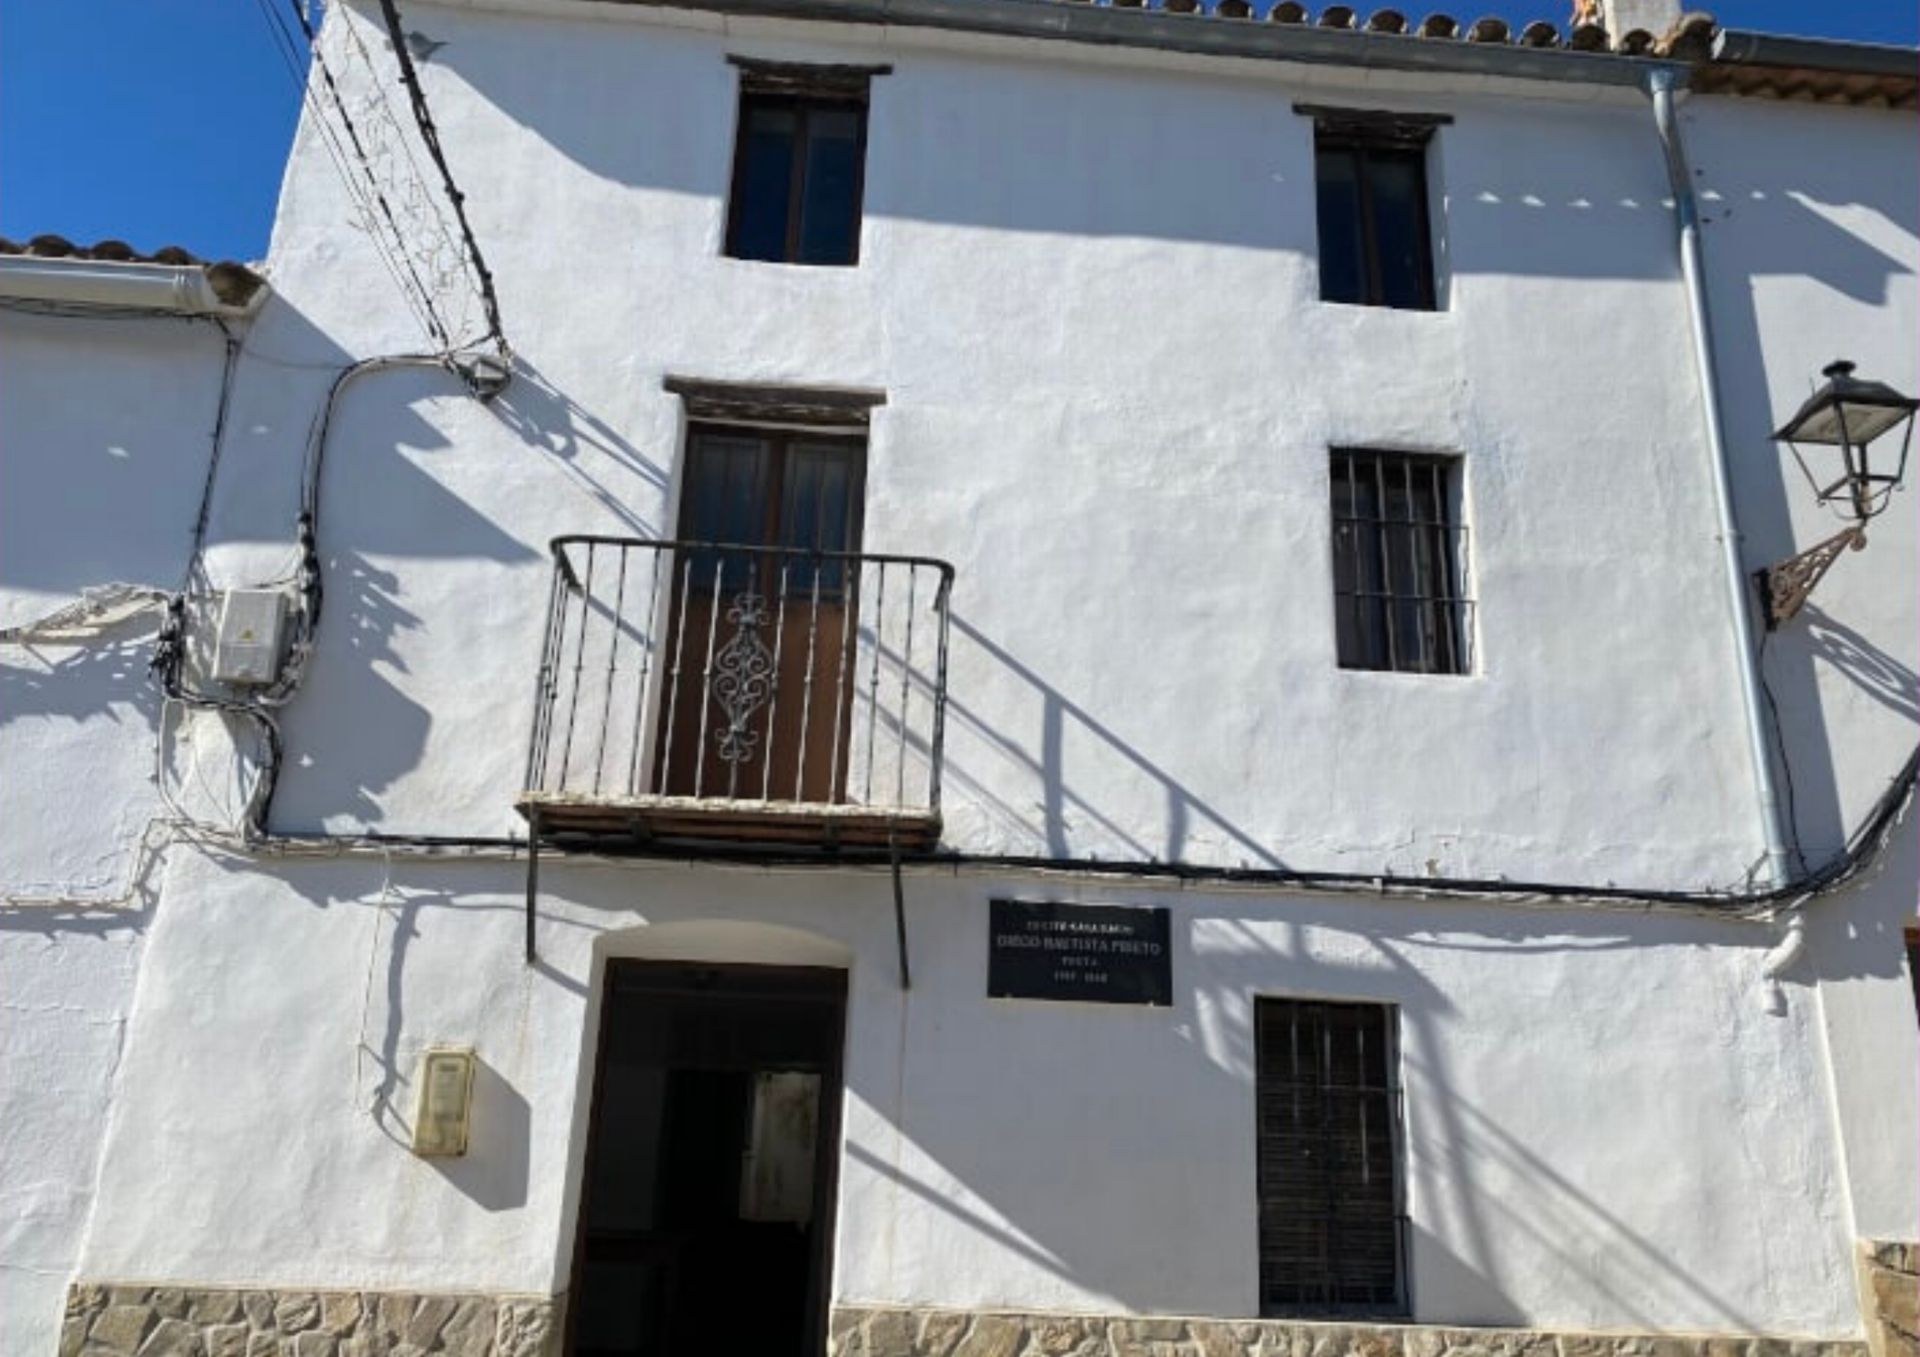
1400 1306
803 89
1364 133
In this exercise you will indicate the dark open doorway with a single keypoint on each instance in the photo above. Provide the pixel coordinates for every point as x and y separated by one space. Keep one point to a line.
709 1178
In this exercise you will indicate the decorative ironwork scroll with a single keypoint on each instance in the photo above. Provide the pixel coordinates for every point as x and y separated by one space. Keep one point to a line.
1785 587
742 677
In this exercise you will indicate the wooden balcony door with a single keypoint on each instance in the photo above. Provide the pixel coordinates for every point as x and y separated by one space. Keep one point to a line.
759 673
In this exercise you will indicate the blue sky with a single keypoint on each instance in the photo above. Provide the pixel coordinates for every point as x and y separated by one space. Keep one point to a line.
165 122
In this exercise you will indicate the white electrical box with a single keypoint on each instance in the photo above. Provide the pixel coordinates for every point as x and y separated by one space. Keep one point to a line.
247 647
442 1119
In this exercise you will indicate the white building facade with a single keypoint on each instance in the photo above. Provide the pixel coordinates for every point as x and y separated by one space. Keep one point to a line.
1326 651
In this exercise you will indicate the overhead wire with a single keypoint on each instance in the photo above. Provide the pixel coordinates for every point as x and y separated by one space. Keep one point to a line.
362 189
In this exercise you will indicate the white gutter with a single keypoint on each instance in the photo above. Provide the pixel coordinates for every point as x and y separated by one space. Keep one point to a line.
1660 85
168 289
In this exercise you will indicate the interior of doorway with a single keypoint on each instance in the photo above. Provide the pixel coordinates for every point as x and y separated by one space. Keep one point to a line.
710 1161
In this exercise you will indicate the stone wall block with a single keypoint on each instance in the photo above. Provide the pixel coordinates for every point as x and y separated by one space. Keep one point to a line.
119 1328
169 1301
316 1343
1066 1336
339 1312
522 1328
213 1307
257 1306
173 1338
992 1336
429 1317
940 1333
264 1344
391 1316
295 1312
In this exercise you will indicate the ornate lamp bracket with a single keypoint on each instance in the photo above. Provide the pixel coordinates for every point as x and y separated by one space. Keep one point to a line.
1786 585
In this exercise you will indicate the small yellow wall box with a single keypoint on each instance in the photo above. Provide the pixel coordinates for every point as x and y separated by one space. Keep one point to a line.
446 1102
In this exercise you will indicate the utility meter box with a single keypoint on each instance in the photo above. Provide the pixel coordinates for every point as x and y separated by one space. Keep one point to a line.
247 646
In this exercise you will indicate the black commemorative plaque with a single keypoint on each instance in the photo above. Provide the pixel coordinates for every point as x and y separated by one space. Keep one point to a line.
1103 954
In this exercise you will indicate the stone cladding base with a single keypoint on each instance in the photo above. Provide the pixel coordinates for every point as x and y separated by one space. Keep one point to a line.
860 1331
171 1321
1890 1295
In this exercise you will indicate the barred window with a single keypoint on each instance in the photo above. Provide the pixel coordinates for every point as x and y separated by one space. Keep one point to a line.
1332 1236
1399 563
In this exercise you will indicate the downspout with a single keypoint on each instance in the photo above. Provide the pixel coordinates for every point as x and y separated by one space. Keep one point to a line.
1661 81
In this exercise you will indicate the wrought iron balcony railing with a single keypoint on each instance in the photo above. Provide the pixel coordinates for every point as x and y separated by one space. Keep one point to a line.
694 690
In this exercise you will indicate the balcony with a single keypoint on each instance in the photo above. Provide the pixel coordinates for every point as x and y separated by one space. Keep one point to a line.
699 692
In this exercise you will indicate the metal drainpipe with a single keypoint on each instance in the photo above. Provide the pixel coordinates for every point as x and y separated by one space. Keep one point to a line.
1661 82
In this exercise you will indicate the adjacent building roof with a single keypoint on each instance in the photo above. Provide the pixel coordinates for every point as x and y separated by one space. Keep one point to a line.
1285 30
112 274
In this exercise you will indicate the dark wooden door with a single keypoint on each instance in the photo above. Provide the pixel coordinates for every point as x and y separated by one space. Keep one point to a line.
760 643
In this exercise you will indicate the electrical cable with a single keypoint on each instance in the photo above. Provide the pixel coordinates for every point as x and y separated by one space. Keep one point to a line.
1780 746
367 197
430 135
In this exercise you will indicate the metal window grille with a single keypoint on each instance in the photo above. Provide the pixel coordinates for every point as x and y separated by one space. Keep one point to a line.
1332 1229
1399 564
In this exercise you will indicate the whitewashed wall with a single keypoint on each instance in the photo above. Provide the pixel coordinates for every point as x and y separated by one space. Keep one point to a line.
1811 255
1607 1127
105 432
1111 393
1087 285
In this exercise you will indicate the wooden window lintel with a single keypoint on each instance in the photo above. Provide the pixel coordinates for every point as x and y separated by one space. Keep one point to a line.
766 403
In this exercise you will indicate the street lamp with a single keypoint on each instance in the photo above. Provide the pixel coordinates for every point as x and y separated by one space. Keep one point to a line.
1849 414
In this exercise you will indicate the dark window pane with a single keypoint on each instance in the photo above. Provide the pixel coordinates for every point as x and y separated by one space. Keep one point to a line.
1399 193
1342 248
818 511
726 502
763 181
830 208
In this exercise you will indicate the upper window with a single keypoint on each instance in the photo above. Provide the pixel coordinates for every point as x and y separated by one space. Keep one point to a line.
1331 1225
799 163
1376 243
1399 563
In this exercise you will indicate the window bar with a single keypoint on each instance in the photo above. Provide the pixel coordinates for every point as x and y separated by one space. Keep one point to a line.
1446 586
773 693
1417 590
613 663
806 686
873 682
543 687
673 683
579 663
906 693
647 643
706 672
939 735
1356 599
1326 1140
1366 1149
842 681
1386 560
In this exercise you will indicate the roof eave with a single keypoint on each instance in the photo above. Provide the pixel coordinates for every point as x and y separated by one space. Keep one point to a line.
229 291
1204 35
